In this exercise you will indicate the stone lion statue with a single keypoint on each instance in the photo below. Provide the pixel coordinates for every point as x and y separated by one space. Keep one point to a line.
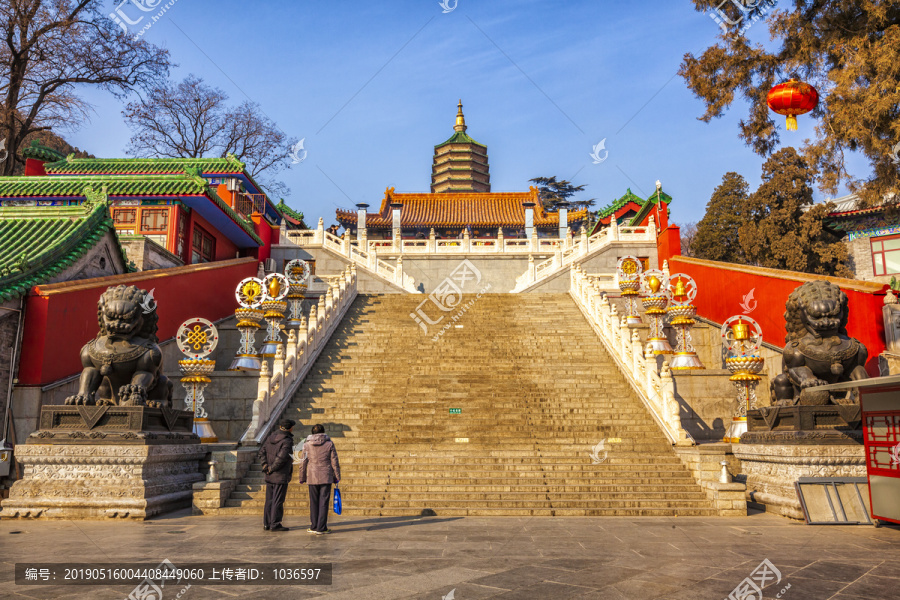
818 350
123 364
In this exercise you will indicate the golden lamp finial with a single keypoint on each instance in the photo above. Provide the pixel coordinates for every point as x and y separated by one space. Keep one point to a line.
460 118
274 287
654 284
679 289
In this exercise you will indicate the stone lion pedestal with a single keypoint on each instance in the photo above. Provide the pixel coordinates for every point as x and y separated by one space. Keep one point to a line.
98 462
785 443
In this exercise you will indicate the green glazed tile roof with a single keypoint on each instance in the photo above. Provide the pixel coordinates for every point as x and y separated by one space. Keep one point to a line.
286 210
185 184
140 166
649 203
617 204
230 165
39 152
144 185
460 137
38 243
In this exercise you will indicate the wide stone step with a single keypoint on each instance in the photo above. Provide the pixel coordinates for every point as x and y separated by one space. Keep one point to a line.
364 496
537 392
480 504
299 517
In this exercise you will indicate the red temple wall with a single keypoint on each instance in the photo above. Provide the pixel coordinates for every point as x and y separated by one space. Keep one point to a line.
723 287
60 318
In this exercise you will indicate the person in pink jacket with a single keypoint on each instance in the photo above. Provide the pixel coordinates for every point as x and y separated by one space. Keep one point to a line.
319 467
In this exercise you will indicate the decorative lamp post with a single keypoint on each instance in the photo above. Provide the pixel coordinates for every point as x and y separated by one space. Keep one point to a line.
249 294
628 273
741 339
297 272
654 284
197 338
275 287
682 290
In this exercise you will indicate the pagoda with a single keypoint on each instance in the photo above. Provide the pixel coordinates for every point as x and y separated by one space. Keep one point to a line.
460 163
460 199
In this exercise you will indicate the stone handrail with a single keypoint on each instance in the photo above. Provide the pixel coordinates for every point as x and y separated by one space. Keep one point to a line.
433 245
344 247
655 388
295 359
581 248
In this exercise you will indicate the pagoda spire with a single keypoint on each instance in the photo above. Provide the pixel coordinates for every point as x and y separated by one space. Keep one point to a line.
460 118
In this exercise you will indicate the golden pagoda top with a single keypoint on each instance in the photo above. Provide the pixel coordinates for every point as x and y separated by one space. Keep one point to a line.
460 118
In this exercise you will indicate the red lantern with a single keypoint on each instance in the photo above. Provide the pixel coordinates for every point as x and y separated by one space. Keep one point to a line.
792 98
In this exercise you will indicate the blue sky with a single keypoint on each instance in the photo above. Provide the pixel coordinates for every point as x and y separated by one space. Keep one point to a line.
372 87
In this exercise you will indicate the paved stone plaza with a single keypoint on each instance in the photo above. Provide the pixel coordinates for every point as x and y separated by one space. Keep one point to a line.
407 557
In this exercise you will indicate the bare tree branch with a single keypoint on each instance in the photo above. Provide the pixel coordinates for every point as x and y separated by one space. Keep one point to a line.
190 119
49 47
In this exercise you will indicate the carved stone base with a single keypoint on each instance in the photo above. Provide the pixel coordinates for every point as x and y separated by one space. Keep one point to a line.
772 469
114 425
827 424
99 481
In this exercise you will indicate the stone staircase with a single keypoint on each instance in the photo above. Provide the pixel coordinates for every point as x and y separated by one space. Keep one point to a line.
536 390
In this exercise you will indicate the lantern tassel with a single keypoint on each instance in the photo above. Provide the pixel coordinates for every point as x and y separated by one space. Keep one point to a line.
791 123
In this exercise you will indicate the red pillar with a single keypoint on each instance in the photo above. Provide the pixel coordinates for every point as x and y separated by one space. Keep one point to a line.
264 231
668 243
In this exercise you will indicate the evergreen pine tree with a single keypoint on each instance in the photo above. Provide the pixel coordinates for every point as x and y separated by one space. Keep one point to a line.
784 230
717 233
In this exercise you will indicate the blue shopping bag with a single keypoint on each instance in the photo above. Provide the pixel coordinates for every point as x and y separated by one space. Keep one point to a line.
337 500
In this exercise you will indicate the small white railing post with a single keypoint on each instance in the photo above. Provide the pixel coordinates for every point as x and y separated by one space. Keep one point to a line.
320 231
500 241
651 377
329 301
277 378
432 241
312 328
613 234
290 354
651 229
302 333
637 356
531 266
322 316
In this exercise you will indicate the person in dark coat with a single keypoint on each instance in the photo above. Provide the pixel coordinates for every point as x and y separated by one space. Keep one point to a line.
278 466
319 467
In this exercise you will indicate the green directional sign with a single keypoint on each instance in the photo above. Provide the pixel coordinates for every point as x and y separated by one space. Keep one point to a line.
455 411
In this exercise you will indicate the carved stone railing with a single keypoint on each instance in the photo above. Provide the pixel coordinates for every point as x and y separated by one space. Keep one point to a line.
432 245
368 260
563 251
655 388
580 249
294 360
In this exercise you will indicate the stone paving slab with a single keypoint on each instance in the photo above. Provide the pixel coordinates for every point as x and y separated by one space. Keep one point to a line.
402 558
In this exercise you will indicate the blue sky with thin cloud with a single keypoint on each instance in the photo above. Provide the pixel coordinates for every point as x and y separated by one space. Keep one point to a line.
372 87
